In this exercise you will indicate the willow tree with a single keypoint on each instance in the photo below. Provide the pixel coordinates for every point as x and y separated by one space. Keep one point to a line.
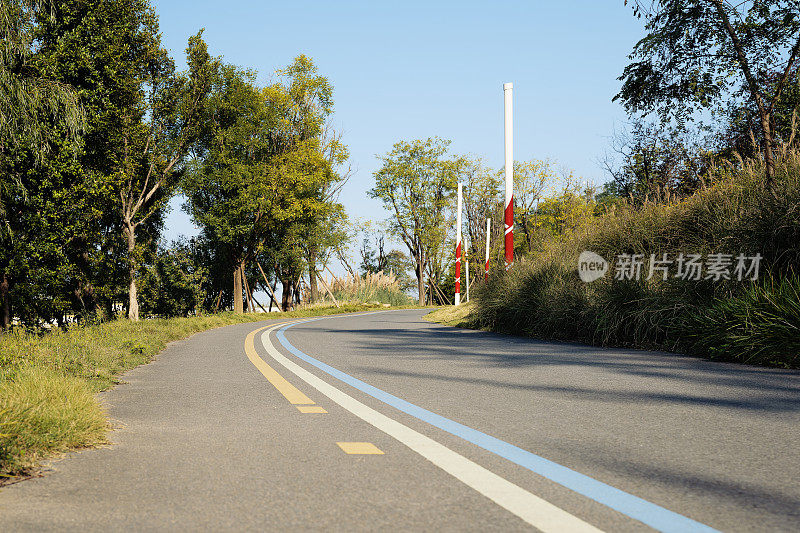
35 110
30 102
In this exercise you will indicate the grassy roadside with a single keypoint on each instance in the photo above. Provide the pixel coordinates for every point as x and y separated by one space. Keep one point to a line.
749 321
457 316
48 383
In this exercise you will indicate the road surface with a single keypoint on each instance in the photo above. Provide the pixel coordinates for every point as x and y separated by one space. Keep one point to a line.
383 421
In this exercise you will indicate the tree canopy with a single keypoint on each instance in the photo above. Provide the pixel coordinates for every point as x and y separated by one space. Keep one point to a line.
698 54
416 183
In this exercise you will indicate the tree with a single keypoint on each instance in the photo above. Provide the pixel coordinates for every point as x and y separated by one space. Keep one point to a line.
374 259
651 162
328 232
35 111
565 211
261 184
398 263
156 143
416 183
228 187
737 135
304 103
531 178
76 190
482 200
697 52
30 102
172 284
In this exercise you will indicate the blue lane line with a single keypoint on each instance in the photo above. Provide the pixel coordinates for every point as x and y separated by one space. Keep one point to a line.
644 511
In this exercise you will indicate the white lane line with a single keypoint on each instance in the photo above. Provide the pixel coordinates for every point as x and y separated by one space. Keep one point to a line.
534 510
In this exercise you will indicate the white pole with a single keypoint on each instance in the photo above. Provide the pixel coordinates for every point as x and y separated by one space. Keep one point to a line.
466 274
488 236
508 211
458 248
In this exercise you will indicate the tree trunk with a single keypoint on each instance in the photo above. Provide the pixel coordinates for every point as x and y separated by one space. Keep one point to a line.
286 297
247 291
769 162
133 301
420 272
238 305
5 302
312 273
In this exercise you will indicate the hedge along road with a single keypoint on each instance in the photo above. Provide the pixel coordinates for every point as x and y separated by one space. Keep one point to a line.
383 420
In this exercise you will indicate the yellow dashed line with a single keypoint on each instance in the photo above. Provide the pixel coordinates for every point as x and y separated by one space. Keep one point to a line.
311 409
359 448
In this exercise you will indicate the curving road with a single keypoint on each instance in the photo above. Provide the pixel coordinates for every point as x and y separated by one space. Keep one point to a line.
383 421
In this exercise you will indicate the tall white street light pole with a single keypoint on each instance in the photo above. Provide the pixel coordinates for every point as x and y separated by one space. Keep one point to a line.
508 211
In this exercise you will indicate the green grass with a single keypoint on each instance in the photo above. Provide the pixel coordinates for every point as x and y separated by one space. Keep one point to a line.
48 382
46 412
748 322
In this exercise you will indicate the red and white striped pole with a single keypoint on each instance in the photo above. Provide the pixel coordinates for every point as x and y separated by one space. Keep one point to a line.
458 248
508 211
488 236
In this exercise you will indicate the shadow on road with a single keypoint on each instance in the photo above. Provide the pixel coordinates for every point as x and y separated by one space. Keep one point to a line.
725 385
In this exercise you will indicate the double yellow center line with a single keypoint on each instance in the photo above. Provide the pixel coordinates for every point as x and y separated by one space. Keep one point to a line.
296 397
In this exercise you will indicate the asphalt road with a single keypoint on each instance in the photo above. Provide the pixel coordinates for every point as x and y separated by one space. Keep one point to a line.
234 430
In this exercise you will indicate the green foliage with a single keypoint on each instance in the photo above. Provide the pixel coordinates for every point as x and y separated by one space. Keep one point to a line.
697 55
483 199
738 134
260 188
79 228
64 253
657 162
173 284
416 184
156 144
30 102
689 59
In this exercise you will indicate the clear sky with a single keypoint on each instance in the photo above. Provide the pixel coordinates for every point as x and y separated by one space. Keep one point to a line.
413 69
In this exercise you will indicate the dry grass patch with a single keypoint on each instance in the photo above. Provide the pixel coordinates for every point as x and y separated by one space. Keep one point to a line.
453 315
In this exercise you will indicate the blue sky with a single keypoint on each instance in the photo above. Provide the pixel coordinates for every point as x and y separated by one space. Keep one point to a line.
405 70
